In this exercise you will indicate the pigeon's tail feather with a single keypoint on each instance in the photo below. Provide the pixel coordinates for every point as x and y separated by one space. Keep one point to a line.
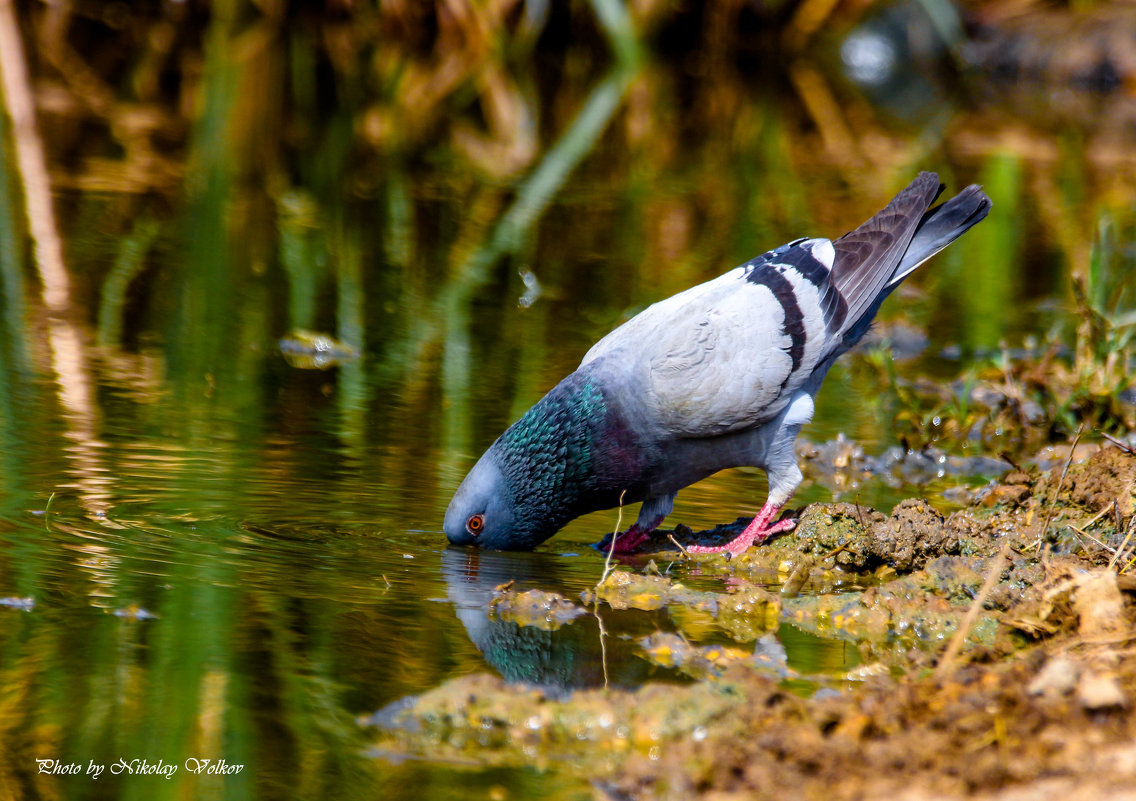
940 227
872 260
867 258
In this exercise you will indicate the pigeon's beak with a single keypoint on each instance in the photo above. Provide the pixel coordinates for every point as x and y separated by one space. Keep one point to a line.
454 525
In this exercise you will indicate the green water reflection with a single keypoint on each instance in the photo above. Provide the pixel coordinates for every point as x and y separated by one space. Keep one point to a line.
206 552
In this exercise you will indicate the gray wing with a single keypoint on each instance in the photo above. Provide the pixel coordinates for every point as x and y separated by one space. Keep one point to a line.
730 354
722 356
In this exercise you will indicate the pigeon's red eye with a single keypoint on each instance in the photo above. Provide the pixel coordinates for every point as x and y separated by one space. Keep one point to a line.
475 524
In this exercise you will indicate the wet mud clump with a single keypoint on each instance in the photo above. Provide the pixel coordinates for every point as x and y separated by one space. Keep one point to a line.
1106 479
914 534
544 610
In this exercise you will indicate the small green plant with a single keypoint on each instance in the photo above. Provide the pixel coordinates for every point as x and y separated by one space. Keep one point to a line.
1102 369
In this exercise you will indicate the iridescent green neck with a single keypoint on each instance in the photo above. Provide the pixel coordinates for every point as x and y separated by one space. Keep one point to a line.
547 457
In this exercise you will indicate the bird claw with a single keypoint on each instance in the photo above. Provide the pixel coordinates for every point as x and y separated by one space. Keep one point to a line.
788 524
757 532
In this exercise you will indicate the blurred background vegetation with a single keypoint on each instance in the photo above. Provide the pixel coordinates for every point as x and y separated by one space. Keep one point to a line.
227 172
463 195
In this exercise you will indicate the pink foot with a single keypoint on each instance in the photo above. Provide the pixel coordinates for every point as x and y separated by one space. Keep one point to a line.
758 531
626 542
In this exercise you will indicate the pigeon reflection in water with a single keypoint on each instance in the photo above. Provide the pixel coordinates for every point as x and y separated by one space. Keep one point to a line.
565 659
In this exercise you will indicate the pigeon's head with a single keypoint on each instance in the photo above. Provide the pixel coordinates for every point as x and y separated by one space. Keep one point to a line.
486 512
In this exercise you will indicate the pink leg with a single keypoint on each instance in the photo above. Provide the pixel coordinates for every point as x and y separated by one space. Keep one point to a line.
628 541
758 531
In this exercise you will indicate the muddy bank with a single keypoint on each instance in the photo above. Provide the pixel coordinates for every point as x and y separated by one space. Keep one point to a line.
1018 721
996 656
994 730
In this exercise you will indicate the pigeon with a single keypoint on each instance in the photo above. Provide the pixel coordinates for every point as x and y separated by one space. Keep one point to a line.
720 375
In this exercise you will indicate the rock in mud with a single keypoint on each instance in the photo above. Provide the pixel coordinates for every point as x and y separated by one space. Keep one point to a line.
1097 691
1057 678
1099 606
